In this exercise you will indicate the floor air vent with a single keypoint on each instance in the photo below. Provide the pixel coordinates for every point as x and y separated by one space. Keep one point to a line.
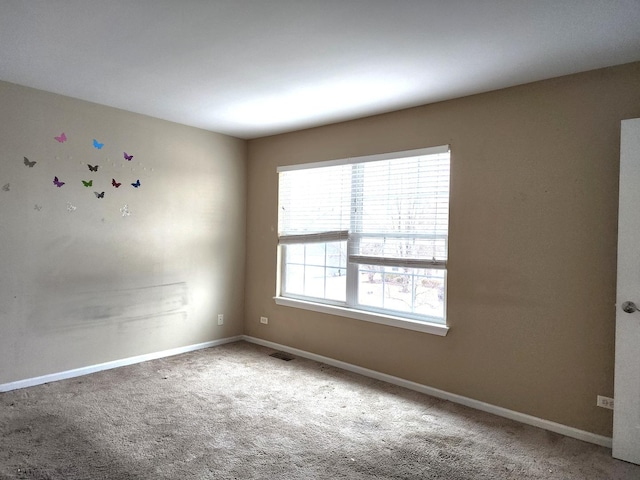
282 356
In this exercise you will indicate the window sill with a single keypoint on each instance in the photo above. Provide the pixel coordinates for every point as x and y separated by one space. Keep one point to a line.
399 322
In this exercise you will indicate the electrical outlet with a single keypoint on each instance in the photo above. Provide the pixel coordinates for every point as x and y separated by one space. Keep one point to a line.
220 319
605 402
264 320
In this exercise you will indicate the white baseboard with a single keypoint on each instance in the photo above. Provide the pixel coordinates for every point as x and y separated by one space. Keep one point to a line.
434 392
77 372
452 397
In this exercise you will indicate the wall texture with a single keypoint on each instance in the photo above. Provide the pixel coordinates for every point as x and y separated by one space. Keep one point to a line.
532 253
81 282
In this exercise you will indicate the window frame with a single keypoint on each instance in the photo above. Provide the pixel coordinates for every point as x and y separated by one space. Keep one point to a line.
351 308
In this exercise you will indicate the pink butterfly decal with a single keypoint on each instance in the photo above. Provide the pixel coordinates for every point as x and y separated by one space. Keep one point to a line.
127 157
114 183
62 138
57 182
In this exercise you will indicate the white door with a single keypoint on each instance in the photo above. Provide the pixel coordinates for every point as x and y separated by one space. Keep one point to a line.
626 415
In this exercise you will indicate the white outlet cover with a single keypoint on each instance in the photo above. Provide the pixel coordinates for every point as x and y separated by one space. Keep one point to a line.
605 402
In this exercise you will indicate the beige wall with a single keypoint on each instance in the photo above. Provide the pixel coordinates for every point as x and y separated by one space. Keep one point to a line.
89 286
532 245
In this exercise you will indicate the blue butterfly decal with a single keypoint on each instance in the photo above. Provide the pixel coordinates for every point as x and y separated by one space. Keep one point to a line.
97 144
136 184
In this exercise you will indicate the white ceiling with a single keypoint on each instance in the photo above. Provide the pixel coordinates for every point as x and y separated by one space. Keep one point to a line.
251 68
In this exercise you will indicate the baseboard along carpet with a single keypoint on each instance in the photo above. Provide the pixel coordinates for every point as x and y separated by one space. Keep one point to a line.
236 412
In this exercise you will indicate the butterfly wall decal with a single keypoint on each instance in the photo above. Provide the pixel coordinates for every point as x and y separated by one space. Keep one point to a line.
92 168
127 157
97 144
99 195
37 207
28 163
125 211
114 183
136 184
87 184
57 182
6 187
62 138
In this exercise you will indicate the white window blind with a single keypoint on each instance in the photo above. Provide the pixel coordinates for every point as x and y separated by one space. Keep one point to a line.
401 212
393 207
314 204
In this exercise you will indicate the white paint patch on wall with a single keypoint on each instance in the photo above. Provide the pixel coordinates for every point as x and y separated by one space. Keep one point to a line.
73 310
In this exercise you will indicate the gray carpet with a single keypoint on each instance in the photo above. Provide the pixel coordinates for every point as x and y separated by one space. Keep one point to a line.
234 412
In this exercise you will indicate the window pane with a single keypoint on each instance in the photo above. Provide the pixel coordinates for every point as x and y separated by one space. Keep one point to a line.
336 254
295 253
294 279
398 290
415 291
316 270
314 254
370 286
430 293
314 282
336 284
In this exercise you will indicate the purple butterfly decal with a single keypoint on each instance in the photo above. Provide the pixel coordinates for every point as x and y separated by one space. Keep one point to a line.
136 184
127 157
62 138
57 182
114 183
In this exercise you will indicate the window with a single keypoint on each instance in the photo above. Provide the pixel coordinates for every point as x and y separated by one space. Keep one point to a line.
367 235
